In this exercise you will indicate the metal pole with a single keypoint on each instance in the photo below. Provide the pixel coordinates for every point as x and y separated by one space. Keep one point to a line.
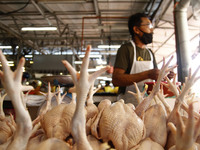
182 39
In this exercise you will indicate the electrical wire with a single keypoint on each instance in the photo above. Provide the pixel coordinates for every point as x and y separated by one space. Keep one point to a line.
1 13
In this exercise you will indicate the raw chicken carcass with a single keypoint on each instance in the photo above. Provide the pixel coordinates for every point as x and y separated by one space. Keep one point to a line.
5 130
53 144
12 84
155 117
180 100
144 105
185 136
155 121
60 98
46 106
148 144
118 123
91 108
56 122
36 138
82 86
95 144
2 114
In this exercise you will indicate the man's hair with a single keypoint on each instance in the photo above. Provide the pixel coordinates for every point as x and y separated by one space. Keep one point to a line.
135 20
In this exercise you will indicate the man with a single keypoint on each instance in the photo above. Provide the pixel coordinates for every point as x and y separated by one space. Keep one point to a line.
134 61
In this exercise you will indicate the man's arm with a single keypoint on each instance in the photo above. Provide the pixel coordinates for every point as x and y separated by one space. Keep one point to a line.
119 77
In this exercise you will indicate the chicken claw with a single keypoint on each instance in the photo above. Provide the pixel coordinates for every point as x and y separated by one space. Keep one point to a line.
185 136
82 85
12 84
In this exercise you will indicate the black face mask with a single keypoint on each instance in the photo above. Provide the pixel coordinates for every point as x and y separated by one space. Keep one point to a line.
146 37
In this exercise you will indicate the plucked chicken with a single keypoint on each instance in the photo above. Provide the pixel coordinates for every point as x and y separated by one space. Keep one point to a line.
128 128
12 84
82 85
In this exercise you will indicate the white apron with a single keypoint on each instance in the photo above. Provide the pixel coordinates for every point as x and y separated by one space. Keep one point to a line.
137 67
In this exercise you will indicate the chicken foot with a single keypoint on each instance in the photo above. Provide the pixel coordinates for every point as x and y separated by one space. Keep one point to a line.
12 84
82 86
2 114
180 99
143 106
185 136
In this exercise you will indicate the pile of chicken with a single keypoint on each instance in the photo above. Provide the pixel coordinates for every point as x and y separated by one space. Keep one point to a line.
84 126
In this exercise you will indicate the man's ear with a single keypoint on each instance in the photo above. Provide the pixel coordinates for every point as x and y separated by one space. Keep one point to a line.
136 30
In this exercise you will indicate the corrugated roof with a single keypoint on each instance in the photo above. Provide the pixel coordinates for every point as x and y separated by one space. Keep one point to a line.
82 22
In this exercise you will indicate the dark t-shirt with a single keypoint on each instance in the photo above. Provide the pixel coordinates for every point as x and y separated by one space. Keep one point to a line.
124 58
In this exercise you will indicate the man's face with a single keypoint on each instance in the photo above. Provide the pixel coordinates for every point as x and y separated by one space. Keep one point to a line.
144 32
146 25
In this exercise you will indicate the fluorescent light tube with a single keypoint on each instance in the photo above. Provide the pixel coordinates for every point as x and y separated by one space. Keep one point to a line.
11 65
28 56
78 62
104 78
91 56
39 28
8 63
7 47
109 46
101 62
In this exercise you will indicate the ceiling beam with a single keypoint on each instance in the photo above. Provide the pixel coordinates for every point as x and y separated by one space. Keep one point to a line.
96 7
167 6
41 12
14 20
51 11
122 37
56 13
18 36
84 1
161 10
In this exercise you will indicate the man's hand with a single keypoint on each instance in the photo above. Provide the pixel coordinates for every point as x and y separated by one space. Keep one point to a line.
171 75
153 74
